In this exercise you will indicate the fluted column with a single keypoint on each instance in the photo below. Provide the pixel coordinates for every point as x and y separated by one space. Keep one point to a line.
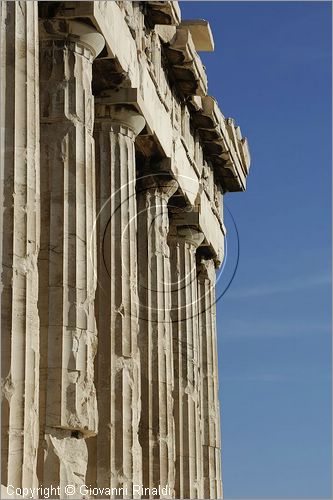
210 409
67 258
156 433
184 313
119 463
20 232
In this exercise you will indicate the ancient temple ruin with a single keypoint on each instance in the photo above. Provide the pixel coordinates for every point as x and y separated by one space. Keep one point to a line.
114 164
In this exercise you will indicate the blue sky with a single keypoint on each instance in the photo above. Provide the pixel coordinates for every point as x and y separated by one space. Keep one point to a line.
271 71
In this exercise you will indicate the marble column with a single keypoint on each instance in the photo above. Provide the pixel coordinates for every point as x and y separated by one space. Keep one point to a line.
210 409
118 453
156 432
20 233
184 313
67 259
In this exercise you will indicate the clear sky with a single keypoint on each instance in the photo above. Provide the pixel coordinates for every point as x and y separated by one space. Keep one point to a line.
271 71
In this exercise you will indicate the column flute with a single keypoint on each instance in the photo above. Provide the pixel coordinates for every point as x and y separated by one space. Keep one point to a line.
20 233
210 408
184 240
156 431
118 453
68 251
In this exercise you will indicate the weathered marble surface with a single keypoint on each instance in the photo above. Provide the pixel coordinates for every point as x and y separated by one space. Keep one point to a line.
20 240
184 313
118 452
114 164
156 432
210 408
67 259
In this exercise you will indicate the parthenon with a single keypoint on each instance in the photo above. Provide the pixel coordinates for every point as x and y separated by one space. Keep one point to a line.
114 164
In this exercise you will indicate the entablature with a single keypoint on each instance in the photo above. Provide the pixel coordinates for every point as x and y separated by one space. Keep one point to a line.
163 12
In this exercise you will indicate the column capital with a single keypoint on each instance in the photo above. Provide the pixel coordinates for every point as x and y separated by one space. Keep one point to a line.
122 115
72 31
206 268
187 234
158 183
